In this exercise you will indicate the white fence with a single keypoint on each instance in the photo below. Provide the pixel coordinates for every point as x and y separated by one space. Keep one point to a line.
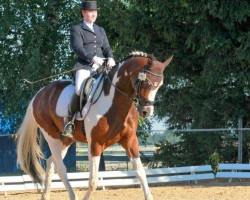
122 178
127 178
113 178
231 171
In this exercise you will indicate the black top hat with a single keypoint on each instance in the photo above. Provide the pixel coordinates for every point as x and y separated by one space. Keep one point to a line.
89 5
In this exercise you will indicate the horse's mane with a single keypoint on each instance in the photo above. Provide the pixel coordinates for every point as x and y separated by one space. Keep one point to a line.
112 72
136 54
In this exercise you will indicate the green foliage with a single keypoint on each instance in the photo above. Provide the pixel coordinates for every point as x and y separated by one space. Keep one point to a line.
215 160
34 44
196 149
206 86
144 125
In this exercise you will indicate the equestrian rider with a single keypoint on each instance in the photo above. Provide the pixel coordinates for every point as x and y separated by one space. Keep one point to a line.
91 45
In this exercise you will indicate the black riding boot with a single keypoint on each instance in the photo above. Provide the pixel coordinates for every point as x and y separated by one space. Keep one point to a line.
69 126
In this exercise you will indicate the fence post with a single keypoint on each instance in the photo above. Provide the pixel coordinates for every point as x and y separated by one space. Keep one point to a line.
240 140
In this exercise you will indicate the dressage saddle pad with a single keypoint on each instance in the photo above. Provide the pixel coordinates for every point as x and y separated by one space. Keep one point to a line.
67 93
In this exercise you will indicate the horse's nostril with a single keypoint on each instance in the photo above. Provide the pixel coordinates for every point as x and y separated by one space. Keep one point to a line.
145 113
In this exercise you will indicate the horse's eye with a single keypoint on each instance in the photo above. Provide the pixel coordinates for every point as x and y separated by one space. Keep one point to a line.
146 84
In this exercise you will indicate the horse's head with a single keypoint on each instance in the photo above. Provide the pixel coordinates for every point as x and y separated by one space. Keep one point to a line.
146 84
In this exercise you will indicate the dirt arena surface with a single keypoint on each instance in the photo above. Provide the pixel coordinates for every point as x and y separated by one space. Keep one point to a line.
182 191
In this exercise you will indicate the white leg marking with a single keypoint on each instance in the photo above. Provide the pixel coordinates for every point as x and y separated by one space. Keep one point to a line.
50 170
136 162
58 151
93 176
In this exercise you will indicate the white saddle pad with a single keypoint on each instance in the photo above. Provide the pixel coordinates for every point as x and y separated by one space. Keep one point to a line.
65 98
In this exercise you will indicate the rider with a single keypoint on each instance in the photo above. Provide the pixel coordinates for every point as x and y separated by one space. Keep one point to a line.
90 43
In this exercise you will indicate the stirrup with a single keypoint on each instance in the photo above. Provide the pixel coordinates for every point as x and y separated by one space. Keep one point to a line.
69 130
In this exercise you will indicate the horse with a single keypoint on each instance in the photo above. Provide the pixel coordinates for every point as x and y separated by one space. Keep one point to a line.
134 80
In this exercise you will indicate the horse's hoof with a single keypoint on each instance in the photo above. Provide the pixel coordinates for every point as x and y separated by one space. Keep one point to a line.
76 198
149 197
44 197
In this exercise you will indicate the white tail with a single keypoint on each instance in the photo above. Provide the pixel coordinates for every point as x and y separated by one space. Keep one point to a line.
28 151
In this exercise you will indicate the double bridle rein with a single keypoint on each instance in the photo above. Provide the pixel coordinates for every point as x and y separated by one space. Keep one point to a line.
141 101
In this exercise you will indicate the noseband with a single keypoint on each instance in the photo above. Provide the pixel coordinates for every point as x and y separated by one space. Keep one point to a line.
141 78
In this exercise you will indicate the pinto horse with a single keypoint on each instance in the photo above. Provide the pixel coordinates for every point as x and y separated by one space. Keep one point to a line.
112 119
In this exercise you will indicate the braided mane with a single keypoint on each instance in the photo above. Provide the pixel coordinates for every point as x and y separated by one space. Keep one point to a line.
136 54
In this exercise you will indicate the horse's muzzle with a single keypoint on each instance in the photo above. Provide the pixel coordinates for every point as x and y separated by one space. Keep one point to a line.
145 111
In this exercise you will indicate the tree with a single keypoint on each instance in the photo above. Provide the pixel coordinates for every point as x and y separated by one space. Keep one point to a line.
34 44
206 86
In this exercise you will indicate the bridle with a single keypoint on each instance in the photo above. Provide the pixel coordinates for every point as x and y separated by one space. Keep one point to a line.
142 78
141 101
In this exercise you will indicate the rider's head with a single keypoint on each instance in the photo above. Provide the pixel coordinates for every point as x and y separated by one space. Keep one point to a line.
89 11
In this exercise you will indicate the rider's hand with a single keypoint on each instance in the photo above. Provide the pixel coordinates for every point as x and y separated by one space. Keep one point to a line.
95 67
97 60
110 63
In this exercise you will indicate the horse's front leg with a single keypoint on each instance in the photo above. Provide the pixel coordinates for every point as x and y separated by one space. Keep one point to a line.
93 175
131 145
137 164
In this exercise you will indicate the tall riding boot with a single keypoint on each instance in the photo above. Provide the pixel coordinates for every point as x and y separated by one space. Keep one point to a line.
69 126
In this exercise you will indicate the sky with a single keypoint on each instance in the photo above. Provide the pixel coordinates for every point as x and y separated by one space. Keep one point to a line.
158 125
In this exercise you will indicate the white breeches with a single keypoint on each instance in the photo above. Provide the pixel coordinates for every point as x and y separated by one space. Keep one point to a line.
81 76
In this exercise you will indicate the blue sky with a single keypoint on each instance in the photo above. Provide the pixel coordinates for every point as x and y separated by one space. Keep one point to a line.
158 125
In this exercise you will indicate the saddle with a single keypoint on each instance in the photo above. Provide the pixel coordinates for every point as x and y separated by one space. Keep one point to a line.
89 89
90 93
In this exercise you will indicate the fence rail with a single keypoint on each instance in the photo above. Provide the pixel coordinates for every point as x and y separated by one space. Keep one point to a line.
114 178
123 178
8 150
196 130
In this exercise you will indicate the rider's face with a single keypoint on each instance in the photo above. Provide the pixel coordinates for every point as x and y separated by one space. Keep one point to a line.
89 15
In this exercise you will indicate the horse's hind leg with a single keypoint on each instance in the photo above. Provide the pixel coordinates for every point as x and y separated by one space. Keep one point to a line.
62 172
132 148
58 151
50 170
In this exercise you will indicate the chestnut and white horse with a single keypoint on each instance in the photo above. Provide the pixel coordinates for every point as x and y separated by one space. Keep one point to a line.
112 119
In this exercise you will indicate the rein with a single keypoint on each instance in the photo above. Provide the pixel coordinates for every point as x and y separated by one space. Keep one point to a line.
142 77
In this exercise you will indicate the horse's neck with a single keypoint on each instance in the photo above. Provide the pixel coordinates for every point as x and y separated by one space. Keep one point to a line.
121 80
113 100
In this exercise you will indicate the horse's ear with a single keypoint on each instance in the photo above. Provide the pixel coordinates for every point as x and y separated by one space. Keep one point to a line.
151 58
167 62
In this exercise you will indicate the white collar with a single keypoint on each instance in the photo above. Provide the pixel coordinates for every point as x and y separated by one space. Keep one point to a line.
89 24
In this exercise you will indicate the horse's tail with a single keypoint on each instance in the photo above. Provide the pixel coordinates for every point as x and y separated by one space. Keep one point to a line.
28 150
